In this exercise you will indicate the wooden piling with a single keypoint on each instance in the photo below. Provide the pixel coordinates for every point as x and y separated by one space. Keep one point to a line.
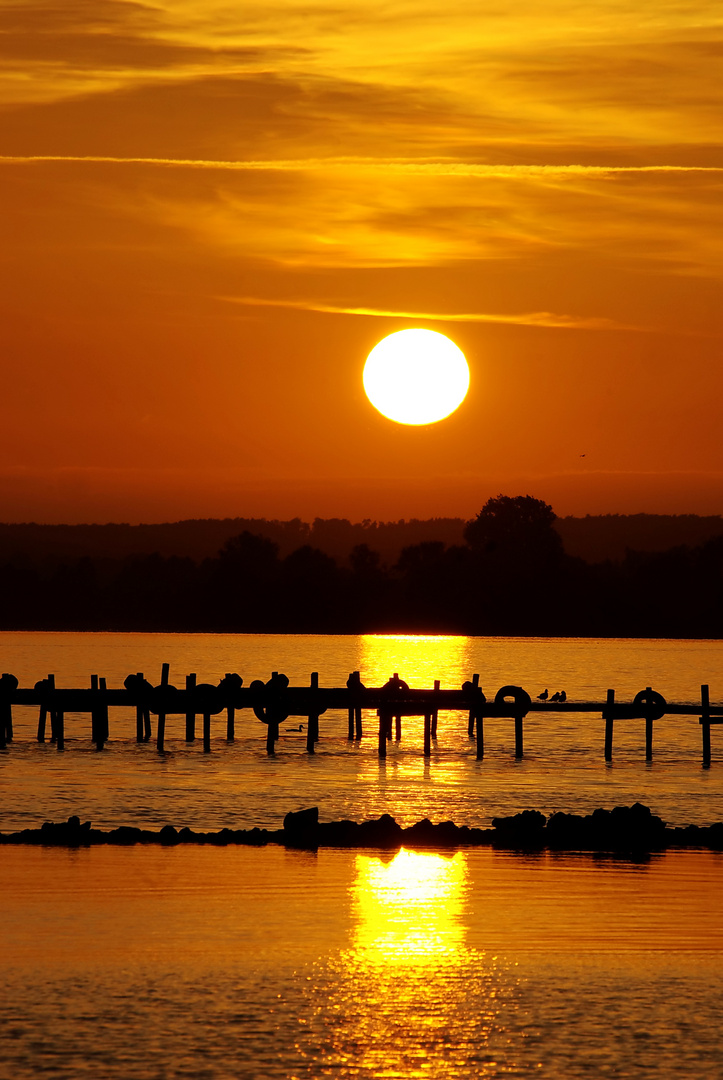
427 734
42 721
480 737
147 732
191 715
384 721
103 718
609 720
53 713
435 714
312 726
161 731
139 714
350 728
272 734
398 728
472 716
207 733
358 722
648 732
230 723
519 749
705 723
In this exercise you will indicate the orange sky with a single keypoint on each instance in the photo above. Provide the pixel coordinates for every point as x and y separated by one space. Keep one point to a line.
213 211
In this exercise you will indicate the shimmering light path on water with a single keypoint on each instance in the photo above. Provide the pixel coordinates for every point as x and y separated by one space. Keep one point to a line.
144 963
239 786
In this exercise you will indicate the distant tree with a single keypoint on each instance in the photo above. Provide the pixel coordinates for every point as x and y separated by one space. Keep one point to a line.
515 526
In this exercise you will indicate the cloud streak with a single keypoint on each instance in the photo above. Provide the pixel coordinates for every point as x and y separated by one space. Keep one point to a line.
545 319
429 168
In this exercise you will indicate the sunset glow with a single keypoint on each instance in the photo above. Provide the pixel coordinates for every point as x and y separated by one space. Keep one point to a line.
211 214
416 376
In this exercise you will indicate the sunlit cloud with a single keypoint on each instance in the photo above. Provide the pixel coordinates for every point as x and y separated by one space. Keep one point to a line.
534 318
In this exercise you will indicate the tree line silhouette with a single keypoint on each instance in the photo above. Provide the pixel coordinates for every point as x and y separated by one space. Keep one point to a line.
509 575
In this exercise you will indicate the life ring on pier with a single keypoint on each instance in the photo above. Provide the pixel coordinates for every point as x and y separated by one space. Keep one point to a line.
266 697
651 704
522 699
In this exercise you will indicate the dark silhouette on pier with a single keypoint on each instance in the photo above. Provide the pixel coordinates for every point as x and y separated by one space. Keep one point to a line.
275 701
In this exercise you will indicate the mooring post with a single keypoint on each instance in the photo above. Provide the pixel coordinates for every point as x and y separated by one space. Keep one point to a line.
480 737
472 716
53 711
103 719
705 723
147 732
230 723
139 714
94 711
312 726
427 734
161 735
398 727
358 722
42 721
207 733
435 714
609 719
649 732
518 737
190 715
384 722
272 734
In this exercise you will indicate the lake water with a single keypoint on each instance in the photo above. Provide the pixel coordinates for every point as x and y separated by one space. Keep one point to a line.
236 962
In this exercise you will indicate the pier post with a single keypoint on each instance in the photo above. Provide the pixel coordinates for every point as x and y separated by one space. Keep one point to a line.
609 719
94 711
705 723
42 721
518 737
139 714
104 727
384 722
312 726
480 737
427 734
648 733
350 728
435 714
146 724
358 722
272 734
161 731
230 723
52 710
472 717
190 715
207 733
398 727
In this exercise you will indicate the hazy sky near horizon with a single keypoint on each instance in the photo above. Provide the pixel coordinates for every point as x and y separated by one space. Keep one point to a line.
213 211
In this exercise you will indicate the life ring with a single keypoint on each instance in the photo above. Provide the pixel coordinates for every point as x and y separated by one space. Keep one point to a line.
522 699
651 704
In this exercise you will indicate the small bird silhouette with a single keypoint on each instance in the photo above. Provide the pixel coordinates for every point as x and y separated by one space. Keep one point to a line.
583 455
563 696
543 695
555 696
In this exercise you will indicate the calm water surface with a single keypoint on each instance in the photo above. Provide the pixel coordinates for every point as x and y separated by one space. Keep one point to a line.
236 963
237 785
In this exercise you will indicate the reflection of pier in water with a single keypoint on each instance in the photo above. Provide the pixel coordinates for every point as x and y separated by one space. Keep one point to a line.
276 701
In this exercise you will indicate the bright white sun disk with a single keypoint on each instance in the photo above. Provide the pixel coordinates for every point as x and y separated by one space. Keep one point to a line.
416 376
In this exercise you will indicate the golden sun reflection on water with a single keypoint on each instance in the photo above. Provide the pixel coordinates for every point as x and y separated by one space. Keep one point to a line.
408 910
410 998
418 658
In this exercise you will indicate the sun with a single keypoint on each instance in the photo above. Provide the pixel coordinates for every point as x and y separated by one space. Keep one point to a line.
416 376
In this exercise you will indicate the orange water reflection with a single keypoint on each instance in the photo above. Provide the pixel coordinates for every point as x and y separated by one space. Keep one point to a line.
410 998
419 659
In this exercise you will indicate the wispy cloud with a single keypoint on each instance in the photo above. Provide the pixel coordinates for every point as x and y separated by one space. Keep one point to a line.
392 165
532 318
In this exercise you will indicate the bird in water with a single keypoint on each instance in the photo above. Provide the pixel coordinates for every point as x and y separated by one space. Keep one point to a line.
543 695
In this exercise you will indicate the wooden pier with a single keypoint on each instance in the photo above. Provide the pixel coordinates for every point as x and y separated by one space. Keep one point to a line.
275 701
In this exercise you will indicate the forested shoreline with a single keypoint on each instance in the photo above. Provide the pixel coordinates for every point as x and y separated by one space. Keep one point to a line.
509 573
